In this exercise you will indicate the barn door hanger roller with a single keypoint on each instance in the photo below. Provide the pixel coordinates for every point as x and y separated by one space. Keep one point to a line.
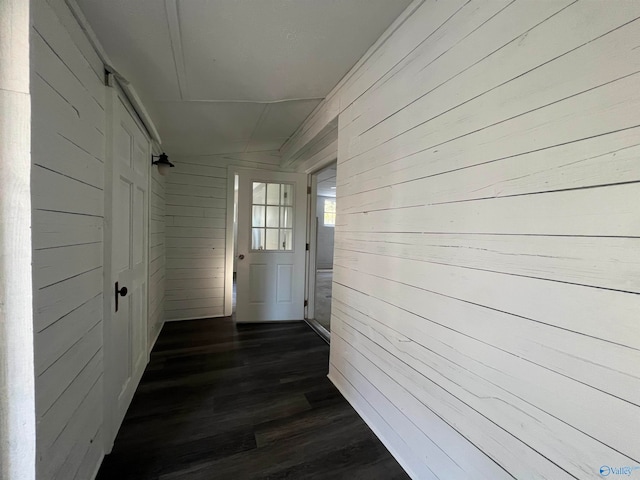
163 163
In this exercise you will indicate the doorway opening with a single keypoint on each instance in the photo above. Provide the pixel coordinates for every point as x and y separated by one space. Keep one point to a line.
265 245
322 227
236 180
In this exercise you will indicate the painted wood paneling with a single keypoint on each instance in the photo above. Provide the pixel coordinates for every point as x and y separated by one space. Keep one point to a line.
67 211
157 257
68 154
195 231
324 145
485 301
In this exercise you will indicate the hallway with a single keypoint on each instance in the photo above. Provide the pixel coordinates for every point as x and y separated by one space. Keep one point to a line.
220 401
465 169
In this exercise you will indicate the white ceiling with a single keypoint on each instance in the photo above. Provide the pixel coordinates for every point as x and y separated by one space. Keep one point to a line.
327 181
222 76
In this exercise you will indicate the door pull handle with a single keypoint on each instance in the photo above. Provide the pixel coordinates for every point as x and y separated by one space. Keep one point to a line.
120 292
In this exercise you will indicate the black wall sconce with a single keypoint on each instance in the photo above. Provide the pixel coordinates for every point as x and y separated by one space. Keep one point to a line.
163 163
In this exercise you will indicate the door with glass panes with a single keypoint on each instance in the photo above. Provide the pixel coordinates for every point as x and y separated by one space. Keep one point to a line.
271 246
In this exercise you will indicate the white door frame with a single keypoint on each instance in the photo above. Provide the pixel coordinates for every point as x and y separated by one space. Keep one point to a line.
18 456
232 171
312 237
229 249
312 230
113 93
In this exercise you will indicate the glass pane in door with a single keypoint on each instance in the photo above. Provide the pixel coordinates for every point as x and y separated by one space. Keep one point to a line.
272 216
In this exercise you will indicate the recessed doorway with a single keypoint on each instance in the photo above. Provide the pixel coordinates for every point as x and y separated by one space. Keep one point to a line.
322 237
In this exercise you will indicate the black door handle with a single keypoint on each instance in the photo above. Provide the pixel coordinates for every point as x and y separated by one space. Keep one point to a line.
120 292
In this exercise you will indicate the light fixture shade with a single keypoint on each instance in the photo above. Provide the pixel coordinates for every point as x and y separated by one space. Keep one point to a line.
163 168
163 163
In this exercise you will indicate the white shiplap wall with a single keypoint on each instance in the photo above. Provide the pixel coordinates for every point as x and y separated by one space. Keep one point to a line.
196 209
486 295
157 257
68 125
68 153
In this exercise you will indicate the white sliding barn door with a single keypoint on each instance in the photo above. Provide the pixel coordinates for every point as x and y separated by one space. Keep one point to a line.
126 325
271 246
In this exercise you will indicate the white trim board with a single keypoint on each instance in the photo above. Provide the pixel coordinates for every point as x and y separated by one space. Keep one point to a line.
17 391
229 251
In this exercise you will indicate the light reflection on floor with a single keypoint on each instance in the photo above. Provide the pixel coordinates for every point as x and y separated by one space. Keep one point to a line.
324 279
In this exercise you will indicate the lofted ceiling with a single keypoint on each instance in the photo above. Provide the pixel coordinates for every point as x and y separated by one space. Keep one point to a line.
225 76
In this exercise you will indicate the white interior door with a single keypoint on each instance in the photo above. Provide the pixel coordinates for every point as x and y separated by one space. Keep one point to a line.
126 330
271 246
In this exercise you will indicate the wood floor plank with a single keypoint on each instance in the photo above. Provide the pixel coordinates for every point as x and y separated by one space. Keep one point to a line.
220 400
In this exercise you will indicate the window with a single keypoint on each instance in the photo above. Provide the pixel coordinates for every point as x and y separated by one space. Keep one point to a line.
329 212
272 216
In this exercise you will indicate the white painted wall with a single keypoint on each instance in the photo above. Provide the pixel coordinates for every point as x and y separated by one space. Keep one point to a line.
17 400
486 271
68 148
68 155
196 228
325 237
157 256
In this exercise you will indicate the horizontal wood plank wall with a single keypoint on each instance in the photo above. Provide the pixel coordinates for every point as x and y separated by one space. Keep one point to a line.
486 295
322 148
68 148
157 257
196 210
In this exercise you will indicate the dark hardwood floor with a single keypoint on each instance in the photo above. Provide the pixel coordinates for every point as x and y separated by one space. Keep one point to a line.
220 401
